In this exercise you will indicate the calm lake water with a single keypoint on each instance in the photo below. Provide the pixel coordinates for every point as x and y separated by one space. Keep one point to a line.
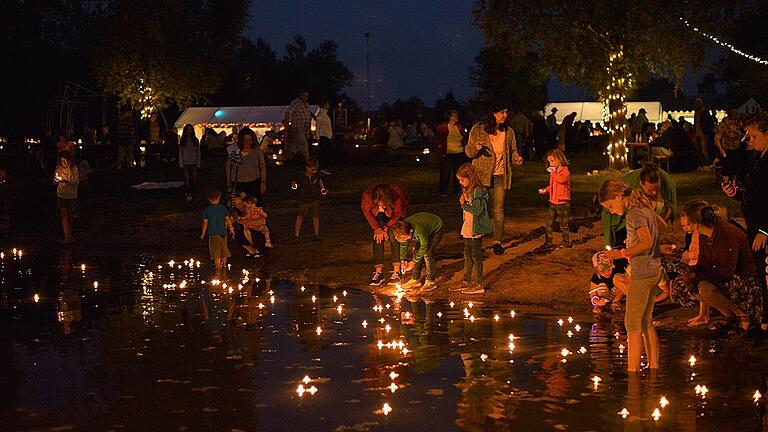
135 344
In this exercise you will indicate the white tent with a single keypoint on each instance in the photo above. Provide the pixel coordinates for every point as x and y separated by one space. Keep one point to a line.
593 111
258 118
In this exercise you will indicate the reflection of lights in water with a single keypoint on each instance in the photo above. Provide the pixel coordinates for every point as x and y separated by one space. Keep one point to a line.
393 375
577 328
319 330
261 306
365 324
496 317
569 334
393 387
82 267
512 337
344 293
36 298
596 381
692 361
512 314
171 263
472 318
757 396
663 402
624 413
483 357
314 299
702 390
471 305
570 320
560 322
302 288
405 351
306 380
96 285
338 309
335 299
272 299
511 346
386 409
452 304
439 314
300 390
565 352
621 348
583 350
656 414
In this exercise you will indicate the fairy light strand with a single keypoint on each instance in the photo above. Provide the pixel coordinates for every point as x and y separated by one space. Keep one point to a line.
723 44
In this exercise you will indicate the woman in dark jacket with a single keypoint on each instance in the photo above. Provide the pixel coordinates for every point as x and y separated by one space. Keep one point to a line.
753 195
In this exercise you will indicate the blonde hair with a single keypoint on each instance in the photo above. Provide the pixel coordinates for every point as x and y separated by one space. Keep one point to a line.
616 188
559 156
469 172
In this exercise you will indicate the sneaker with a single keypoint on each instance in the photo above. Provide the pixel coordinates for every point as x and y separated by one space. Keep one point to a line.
429 286
325 172
411 284
456 288
394 278
475 288
188 198
268 245
377 278
498 249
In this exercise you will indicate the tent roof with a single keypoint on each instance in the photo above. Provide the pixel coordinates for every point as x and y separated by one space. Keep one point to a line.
234 115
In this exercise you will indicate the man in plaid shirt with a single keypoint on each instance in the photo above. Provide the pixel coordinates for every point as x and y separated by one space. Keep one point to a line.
298 120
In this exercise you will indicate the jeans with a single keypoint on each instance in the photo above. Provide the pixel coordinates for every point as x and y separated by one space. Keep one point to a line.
429 258
558 212
378 248
497 192
473 256
448 167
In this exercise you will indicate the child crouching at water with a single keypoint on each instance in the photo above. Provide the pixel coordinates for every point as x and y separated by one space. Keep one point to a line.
216 223
426 229
559 191
474 206
643 251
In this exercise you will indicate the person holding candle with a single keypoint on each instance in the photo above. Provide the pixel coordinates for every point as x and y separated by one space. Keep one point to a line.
67 178
309 188
426 230
643 251
383 204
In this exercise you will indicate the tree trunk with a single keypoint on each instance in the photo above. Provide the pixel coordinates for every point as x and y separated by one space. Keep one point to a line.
614 101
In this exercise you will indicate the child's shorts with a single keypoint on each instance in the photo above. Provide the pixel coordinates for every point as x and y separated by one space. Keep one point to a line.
310 207
217 245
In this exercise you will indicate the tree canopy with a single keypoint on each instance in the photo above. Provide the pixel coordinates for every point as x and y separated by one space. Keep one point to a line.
154 53
515 78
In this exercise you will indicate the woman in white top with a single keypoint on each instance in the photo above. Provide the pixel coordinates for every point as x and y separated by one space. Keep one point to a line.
325 137
246 168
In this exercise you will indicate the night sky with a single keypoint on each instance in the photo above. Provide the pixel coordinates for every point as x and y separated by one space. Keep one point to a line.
417 47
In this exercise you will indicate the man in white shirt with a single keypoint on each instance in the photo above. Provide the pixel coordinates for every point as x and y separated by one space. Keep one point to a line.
325 136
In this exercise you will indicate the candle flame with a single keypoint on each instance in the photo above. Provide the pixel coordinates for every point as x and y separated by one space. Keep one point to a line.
496 317
757 396
386 409
624 413
656 414
663 402
692 361
393 375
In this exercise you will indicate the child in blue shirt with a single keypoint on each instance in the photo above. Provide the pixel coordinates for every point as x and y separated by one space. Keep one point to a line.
216 223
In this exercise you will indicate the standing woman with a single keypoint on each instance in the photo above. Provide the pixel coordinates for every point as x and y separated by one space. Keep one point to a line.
645 273
493 151
754 196
450 137
189 158
250 174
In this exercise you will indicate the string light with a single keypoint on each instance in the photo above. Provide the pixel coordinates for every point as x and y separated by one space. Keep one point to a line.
723 44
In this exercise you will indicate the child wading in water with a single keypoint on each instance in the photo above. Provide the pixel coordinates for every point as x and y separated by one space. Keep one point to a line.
477 223
216 223
310 188
559 191
427 230
67 178
643 251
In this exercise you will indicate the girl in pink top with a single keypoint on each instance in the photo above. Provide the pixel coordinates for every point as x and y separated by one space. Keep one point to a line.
559 191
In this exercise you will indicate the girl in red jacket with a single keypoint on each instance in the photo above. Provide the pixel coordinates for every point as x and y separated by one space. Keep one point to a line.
559 191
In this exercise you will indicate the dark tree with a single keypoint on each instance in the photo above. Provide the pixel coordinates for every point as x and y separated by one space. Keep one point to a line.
155 53
605 45
502 75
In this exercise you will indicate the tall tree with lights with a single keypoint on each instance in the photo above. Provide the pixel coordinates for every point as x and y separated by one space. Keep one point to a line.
155 53
604 45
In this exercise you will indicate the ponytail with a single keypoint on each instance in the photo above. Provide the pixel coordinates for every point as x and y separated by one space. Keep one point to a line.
636 198
613 188
700 212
